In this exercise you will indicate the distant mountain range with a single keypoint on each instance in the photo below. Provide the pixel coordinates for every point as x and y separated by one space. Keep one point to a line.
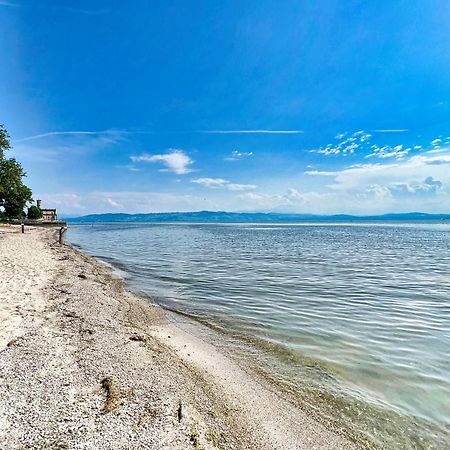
230 217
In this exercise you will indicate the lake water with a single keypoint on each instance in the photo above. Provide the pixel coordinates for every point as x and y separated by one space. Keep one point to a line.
352 318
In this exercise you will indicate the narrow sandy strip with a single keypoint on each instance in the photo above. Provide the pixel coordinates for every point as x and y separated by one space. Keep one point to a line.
86 365
26 268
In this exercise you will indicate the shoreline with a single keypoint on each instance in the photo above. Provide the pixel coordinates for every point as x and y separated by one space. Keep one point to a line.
173 389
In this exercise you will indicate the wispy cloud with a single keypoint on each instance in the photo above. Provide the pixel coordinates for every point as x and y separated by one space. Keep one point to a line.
240 187
236 155
74 145
128 167
175 161
216 183
400 130
71 133
252 131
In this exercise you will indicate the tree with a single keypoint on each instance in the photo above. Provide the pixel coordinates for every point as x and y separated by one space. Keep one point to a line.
14 195
4 141
34 212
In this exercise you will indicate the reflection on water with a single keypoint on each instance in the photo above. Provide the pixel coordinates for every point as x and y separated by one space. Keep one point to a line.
368 303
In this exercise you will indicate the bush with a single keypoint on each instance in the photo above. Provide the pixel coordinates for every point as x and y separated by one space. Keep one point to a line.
34 213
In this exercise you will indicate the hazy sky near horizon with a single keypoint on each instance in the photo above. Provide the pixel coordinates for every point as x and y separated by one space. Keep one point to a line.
290 106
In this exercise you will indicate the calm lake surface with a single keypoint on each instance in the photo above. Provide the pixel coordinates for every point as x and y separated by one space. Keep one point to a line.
354 318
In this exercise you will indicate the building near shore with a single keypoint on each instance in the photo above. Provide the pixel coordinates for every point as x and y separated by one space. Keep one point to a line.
48 214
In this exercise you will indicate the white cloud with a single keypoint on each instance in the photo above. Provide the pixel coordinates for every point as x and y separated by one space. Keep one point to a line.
429 185
415 183
290 201
399 130
212 183
74 204
236 155
113 203
175 161
397 152
346 146
418 182
64 202
241 187
430 168
215 183
376 191
361 142
436 142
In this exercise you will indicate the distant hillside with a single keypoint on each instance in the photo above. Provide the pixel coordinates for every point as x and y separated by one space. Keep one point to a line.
231 217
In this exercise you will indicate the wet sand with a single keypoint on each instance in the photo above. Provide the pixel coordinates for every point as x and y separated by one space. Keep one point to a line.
84 364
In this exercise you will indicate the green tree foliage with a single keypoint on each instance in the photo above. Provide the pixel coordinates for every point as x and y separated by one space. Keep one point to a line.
4 141
34 212
14 195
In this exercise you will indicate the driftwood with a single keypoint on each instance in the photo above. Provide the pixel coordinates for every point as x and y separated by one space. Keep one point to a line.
180 412
112 395
137 338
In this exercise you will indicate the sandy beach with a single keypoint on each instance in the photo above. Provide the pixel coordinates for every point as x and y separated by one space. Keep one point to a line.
84 364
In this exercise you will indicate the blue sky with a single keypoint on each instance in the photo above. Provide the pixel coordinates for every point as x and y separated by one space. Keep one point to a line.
292 106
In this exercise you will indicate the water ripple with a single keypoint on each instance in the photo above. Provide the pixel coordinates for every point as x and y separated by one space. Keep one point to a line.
369 301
